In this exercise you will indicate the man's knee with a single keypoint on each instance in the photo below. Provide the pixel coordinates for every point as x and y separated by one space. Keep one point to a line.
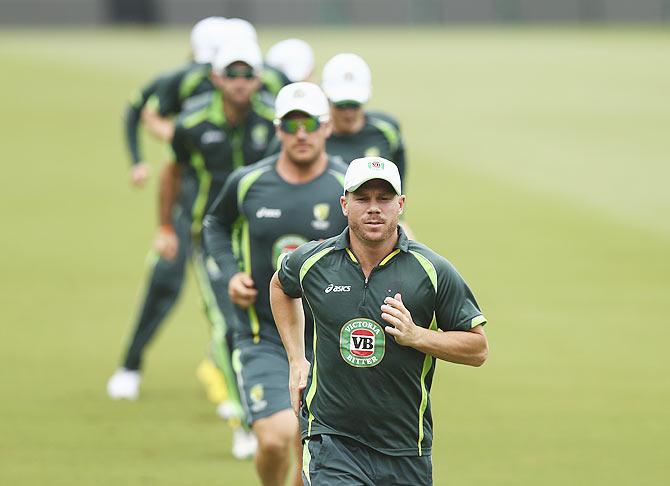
277 433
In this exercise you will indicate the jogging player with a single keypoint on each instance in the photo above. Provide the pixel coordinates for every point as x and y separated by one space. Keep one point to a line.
213 140
347 82
166 276
365 416
265 210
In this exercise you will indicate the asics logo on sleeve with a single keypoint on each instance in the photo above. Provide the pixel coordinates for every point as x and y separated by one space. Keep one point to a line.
337 288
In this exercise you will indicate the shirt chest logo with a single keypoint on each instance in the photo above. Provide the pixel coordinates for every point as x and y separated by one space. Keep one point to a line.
212 136
362 343
268 213
321 212
337 288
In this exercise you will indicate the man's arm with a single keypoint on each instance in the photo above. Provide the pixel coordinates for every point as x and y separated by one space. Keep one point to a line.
166 242
160 127
290 320
218 234
462 347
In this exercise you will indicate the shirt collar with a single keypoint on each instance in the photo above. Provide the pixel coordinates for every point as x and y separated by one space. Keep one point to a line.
342 240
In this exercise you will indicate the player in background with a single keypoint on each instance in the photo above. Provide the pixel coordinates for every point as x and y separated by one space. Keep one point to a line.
204 39
357 132
166 277
213 139
264 211
293 57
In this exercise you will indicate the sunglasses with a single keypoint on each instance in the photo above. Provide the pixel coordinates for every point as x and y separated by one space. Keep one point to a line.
292 125
347 105
239 72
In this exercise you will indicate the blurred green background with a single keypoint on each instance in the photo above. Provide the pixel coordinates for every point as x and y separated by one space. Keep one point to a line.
539 163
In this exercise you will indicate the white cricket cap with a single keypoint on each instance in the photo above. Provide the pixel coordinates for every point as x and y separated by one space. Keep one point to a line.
347 77
365 169
246 51
303 96
240 29
205 36
293 57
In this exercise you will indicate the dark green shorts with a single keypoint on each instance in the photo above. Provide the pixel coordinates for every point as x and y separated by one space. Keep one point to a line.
336 460
262 375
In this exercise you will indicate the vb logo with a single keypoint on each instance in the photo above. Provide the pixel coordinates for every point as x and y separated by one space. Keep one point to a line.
362 343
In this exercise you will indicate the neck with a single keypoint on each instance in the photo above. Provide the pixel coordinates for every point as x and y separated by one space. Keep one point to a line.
234 114
370 253
300 173
355 127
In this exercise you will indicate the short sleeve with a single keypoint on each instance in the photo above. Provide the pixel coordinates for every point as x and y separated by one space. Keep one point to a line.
289 274
456 308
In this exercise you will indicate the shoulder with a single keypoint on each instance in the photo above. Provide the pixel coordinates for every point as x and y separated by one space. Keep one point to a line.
244 177
337 168
433 264
383 117
307 255
196 113
387 125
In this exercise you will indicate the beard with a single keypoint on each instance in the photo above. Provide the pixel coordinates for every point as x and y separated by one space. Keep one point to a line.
377 235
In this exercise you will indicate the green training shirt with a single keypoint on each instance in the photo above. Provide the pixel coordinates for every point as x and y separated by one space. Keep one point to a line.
207 144
260 216
380 136
174 92
362 384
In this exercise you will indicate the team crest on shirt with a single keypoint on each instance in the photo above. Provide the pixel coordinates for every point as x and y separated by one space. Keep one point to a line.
362 343
256 394
372 152
285 244
321 212
259 136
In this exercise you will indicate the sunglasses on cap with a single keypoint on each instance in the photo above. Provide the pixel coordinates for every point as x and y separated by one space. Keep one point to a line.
347 105
292 125
239 72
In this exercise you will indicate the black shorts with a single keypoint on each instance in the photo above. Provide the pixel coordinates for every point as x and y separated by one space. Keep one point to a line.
337 460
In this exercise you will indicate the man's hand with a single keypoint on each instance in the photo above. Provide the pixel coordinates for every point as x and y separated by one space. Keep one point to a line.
297 382
139 173
241 290
166 242
402 327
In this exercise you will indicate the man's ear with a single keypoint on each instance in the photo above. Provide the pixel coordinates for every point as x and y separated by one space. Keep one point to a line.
343 205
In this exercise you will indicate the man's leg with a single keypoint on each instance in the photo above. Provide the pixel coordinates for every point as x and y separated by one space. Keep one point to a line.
164 286
276 436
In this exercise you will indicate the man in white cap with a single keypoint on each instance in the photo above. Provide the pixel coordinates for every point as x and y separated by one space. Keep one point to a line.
364 403
293 57
211 141
264 211
347 82
167 276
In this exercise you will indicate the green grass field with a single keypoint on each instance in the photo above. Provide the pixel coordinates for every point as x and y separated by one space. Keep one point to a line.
539 166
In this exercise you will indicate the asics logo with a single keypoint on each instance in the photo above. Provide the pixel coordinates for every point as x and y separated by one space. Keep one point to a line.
268 213
337 288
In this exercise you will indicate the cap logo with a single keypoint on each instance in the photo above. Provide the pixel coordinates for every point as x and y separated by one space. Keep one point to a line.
348 76
376 165
299 93
362 343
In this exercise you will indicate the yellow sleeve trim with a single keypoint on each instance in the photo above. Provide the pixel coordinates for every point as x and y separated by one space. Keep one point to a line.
476 321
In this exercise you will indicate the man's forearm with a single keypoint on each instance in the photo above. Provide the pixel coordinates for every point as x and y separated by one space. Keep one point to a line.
290 320
167 192
159 127
462 347
131 122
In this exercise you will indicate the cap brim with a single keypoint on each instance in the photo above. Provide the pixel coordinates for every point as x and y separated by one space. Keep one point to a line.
354 187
